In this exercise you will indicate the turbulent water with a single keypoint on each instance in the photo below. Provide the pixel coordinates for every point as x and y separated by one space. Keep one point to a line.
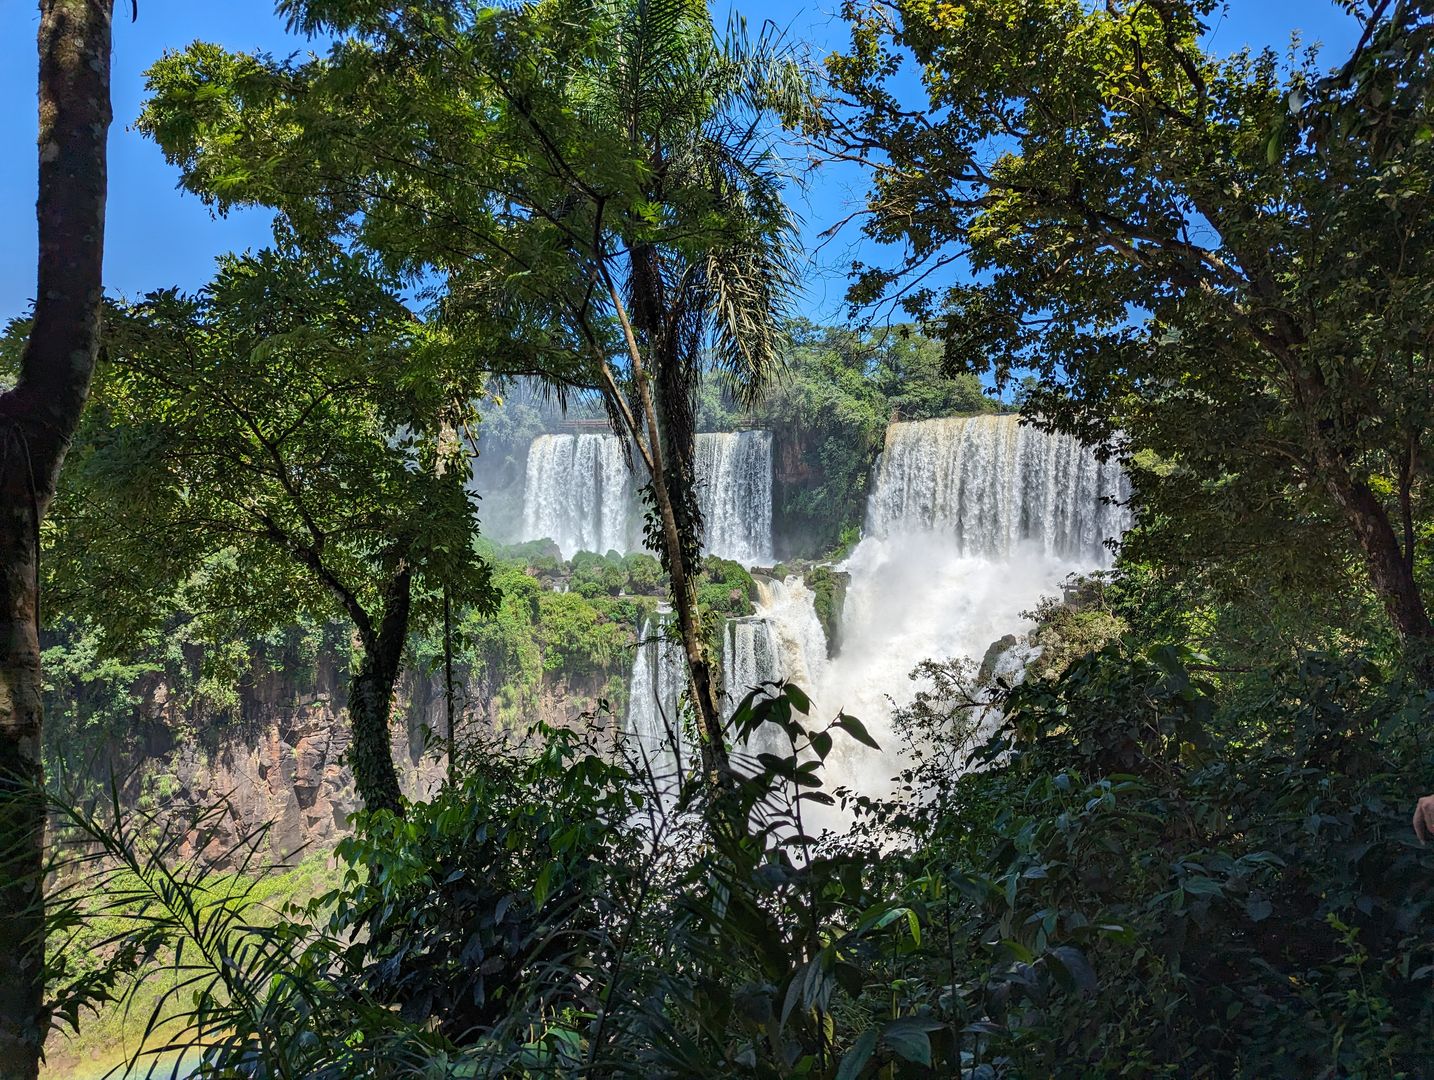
579 492
970 522
783 640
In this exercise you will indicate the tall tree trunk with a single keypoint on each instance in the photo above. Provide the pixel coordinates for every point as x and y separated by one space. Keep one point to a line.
674 543
1390 569
371 700
684 601
37 420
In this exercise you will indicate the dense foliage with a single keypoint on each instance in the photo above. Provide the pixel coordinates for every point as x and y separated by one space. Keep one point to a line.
1219 265
1172 841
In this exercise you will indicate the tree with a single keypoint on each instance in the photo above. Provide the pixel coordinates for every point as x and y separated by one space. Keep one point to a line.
279 442
590 179
39 414
1219 267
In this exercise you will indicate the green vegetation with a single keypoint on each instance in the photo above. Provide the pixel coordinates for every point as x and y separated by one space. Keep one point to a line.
828 598
1217 265
727 589
277 446
828 414
1177 844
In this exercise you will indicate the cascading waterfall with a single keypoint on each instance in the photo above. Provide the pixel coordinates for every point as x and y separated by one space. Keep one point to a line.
654 718
580 493
749 657
991 485
789 608
734 477
783 640
970 522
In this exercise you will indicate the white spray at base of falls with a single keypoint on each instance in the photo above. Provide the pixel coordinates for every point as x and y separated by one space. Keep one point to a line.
580 493
970 522
784 639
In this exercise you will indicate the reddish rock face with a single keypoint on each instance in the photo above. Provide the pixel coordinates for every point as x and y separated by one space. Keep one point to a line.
280 764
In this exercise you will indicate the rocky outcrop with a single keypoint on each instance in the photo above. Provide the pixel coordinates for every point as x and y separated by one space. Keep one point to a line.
276 767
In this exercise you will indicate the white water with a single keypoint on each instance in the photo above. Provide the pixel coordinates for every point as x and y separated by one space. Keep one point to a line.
988 486
734 477
749 658
580 493
970 522
789 608
654 717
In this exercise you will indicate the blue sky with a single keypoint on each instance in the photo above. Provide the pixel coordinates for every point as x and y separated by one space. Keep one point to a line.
158 236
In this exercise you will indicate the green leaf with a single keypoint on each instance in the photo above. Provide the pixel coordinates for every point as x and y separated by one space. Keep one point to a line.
1072 963
855 1059
856 729
908 1039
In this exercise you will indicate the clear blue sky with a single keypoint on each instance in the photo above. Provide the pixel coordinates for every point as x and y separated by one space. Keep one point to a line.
158 236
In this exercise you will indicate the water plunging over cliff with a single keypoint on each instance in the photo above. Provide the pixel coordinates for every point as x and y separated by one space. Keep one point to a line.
734 477
654 719
970 522
990 486
580 493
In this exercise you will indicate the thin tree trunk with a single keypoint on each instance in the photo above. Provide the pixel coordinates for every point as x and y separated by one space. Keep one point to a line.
22 807
371 701
448 685
37 420
715 761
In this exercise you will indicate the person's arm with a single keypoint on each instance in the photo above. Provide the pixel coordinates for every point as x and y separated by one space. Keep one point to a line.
1424 818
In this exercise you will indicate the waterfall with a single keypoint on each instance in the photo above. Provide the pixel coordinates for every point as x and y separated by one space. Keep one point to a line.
790 609
654 716
580 493
734 475
749 657
991 485
783 640
970 522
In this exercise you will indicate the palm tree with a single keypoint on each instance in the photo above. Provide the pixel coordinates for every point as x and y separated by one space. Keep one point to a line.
707 289
590 181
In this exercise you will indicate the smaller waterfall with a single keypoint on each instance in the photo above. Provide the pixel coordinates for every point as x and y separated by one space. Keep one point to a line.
654 713
749 657
734 471
579 492
790 609
783 640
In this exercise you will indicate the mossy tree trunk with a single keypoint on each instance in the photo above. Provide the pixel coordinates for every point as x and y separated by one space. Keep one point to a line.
371 698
